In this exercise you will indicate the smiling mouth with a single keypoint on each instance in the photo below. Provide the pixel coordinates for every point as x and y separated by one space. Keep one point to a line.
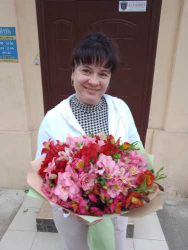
91 89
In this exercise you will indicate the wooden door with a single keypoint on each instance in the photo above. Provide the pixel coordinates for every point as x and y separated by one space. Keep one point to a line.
61 25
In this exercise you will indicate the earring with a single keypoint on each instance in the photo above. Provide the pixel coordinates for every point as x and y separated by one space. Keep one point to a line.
72 83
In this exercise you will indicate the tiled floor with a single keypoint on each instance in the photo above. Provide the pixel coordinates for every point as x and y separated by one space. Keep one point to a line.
22 233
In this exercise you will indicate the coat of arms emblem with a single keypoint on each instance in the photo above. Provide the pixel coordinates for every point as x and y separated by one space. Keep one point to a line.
124 5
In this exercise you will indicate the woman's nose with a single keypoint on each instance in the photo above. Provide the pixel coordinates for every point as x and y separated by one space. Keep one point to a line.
94 79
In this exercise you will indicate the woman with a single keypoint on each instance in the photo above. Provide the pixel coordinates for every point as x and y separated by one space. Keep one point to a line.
89 110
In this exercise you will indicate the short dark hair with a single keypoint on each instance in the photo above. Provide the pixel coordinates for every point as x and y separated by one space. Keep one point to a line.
96 49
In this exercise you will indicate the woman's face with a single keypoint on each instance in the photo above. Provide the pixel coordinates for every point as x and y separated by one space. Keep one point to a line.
90 83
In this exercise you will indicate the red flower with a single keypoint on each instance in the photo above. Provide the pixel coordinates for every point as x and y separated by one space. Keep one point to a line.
48 146
61 165
51 148
96 189
90 152
116 206
111 140
134 200
109 149
44 164
147 176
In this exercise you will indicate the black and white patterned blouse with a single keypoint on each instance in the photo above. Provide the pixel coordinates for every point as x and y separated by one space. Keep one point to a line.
92 119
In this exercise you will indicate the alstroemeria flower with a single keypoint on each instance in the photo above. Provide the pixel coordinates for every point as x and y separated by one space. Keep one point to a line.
89 152
114 188
92 198
137 159
73 174
134 200
86 181
51 167
106 164
65 155
66 187
48 146
116 206
77 164
82 205
66 179
74 192
147 176
62 192
96 211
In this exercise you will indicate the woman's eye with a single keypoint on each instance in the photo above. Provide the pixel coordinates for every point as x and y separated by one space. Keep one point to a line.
104 75
85 71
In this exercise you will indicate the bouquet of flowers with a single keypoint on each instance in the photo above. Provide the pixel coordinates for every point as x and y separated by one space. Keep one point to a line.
91 177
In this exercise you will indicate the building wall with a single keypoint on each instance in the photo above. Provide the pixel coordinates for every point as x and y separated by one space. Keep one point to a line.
21 100
168 121
21 103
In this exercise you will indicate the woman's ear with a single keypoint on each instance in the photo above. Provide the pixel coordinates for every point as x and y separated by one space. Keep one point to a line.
72 75
72 78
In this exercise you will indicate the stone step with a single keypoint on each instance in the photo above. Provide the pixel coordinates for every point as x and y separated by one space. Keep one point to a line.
45 223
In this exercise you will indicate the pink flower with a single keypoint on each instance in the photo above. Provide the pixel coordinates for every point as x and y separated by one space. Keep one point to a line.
137 159
62 192
106 164
51 166
92 198
82 207
114 189
134 170
78 142
78 164
116 206
66 188
100 143
66 179
124 177
73 173
96 211
65 155
86 180
74 192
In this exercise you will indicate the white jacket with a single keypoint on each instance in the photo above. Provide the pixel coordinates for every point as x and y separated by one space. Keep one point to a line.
60 121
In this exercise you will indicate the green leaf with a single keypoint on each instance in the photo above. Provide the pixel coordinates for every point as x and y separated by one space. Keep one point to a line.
92 161
144 188
117 156
79 145
160 176
102 181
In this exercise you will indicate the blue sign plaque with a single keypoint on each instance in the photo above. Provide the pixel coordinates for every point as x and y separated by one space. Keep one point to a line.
8 47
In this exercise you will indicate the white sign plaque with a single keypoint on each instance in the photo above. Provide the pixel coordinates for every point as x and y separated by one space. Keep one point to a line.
132 6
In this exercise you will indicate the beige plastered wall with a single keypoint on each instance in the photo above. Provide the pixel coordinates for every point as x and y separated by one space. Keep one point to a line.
21 102
21 99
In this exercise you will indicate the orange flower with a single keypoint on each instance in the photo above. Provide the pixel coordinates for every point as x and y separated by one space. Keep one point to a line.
126 145
134 200
148 176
